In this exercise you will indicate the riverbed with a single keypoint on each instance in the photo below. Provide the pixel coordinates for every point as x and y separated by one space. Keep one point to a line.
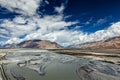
30 64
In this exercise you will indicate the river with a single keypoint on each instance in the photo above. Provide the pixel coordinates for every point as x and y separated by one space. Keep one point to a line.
45 65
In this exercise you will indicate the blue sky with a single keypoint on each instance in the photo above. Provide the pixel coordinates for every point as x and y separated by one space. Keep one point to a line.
94 15
67 22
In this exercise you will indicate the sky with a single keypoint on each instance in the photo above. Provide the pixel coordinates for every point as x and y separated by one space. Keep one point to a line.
66 22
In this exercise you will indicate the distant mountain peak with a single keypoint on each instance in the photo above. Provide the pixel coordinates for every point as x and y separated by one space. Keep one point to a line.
42 44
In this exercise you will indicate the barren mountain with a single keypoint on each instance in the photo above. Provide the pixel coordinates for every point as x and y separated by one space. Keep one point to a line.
43 44
9 46
111 43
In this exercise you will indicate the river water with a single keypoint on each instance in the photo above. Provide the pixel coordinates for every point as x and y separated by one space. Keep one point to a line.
45 65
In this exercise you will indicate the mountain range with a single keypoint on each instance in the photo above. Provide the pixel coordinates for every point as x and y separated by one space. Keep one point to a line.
111 43
42 44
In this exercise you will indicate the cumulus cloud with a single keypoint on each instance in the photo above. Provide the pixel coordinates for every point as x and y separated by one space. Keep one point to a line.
48 27
18 29
112 31
21 6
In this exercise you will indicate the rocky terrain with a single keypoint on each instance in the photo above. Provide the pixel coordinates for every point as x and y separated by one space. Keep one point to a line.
112 43
42 44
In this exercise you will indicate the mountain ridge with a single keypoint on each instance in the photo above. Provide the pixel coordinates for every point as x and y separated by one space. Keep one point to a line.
111 43
42 44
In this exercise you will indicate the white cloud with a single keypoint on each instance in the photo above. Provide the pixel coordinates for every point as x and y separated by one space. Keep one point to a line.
3 31
60 9
101 21
112 31
89 21
19 20
21 6
3 37
47 2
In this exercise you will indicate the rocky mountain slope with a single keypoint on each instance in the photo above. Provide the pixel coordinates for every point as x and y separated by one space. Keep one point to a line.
111 43
43 44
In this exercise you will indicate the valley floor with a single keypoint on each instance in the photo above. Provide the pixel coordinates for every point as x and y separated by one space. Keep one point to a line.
59 64
104 55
